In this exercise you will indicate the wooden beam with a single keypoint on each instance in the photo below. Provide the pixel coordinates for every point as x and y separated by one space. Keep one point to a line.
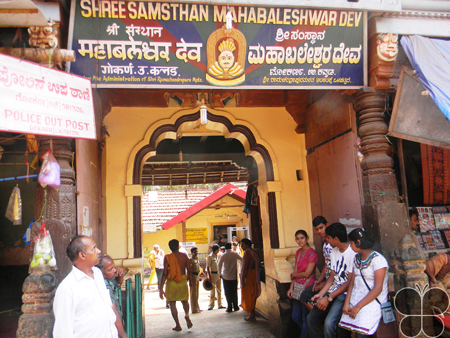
183 229
19 11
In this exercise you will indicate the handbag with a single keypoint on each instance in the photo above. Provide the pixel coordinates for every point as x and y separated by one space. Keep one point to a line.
298 288
386 308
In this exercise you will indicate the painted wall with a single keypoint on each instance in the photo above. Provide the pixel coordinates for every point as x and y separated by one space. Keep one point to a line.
207 218
273 127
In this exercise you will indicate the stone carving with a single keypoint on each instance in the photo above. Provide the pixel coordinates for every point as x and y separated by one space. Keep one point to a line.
38 292
383 215
43 37
409 269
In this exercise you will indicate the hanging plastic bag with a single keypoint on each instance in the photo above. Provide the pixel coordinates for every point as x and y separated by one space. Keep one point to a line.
14 209
50 171
43 253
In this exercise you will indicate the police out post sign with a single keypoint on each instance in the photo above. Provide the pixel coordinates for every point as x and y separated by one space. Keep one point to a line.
38 100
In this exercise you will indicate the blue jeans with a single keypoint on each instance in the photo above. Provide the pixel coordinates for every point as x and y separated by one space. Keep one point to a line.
324 323
299 314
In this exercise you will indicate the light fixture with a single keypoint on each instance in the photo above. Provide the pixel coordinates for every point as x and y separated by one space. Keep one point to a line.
203 113
229 19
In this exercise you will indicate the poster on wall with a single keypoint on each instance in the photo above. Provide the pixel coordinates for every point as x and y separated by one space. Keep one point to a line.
41 101
160 44
198 235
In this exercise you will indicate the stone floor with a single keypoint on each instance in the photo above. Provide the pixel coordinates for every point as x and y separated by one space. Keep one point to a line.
207 324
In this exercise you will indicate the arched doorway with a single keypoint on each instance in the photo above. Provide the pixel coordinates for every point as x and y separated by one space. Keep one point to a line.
189 124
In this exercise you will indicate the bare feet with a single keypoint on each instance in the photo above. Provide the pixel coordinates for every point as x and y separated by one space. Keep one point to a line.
188 322
177 328
250 319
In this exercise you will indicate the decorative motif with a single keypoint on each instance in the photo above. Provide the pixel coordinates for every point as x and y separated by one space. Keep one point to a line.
387 46
373 130
226 49
43 37
437 183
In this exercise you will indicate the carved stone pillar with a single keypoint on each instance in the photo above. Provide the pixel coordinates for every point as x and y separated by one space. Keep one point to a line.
57 207
383 214
38 291
60 209
59 213
409 269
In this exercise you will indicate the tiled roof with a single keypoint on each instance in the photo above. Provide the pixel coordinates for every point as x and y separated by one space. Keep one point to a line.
172 201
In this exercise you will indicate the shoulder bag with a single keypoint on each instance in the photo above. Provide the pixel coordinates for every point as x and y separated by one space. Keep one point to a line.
298 288
386 308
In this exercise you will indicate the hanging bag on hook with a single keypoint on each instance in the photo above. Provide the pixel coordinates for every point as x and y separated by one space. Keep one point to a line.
50 171
14 209
43 253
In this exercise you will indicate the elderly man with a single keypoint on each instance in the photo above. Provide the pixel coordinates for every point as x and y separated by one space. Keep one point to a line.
82 305
176 272
159 263
113 278
228 272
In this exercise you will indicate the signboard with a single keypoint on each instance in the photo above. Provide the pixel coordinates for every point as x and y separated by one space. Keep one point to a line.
198 235
416 117
38 100
187 45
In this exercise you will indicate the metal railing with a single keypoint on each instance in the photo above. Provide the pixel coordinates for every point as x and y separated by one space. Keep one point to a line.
133 320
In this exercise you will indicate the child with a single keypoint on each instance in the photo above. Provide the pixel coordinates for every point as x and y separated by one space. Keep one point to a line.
319 224
362 312
324 317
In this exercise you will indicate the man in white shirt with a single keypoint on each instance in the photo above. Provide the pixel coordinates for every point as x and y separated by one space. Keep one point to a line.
159 263
324 317
228 272
82 304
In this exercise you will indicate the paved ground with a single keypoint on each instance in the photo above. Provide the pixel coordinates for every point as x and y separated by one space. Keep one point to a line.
207 324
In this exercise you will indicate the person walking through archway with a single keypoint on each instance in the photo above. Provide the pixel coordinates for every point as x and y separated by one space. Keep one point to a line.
176 272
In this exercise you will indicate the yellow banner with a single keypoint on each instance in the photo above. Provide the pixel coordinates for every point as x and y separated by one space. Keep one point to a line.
197 235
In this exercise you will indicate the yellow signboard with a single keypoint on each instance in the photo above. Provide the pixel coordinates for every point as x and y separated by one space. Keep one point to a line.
197 235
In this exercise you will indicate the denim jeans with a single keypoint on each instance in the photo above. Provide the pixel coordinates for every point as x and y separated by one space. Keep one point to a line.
324 323
299 314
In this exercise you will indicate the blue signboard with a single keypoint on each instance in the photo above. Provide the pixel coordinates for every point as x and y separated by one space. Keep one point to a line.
162 44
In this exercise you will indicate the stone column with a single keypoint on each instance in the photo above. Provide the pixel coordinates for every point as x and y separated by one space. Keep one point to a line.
383 214
59 213
37 318
409 269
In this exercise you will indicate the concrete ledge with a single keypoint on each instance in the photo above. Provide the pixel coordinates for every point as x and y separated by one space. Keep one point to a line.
273 186
133 190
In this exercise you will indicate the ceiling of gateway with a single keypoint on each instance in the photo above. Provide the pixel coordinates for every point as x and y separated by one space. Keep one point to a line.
199 160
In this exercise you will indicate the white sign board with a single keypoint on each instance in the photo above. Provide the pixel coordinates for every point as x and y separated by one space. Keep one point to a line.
38 100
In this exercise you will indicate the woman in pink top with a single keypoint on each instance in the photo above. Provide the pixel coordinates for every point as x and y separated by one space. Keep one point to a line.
304 271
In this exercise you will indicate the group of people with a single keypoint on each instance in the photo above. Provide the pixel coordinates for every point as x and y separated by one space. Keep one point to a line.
180 271
351 287
346 297
86 303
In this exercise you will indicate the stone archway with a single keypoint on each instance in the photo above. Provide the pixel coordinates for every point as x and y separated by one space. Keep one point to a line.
225 127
